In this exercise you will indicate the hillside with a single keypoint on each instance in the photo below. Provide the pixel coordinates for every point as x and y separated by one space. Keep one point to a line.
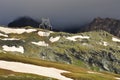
96 50
69 72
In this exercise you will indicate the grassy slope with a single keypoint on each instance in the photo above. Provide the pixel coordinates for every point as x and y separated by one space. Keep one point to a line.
10 75
77 73
61 47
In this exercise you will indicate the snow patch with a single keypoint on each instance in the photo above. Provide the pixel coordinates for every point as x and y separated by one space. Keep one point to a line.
13 49
40 43
91 72
54 39
85 44
117 78
16 31
104 43
11 39
3 35
30 30
73 38
115 39
41 33
34 69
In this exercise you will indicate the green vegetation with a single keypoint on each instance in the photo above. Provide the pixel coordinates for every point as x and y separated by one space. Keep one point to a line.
76 73
85 53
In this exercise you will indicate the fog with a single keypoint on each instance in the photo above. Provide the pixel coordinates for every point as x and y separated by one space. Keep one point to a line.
61 12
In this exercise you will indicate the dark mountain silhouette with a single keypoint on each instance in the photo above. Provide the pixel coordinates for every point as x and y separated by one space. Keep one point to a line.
27 21
107 24
24 21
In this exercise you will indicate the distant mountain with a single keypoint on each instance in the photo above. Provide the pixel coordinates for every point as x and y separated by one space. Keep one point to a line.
27 21
24 21
108 24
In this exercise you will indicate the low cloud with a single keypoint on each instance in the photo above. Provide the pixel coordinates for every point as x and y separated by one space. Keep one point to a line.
61 12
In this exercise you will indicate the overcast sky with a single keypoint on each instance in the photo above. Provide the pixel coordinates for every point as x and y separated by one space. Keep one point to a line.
61 12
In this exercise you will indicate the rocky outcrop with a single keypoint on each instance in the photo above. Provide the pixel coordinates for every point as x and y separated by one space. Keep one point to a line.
103 60
45 24
108 24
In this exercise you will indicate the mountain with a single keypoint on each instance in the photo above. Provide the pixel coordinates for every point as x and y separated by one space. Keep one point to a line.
27 21
108 24
24 21
96 50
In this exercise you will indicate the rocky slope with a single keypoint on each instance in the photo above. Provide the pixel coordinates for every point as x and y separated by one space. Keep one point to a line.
108 24
97 50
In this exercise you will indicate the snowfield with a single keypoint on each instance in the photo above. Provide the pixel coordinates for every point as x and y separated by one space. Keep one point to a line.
40 43
54 39
11 39
41 33
73 38
33 69
3 35
115 39
17 31
13 49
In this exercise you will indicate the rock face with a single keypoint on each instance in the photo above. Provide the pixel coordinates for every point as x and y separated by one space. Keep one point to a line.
24 21
108 24
45 24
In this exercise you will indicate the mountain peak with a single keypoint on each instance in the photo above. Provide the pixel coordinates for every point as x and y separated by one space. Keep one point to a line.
107 24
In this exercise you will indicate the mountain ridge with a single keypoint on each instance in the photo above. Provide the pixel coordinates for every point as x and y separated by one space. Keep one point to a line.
97 50
108 24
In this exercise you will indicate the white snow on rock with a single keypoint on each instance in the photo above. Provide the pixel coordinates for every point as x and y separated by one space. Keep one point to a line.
85 44
17 31
115 39
3 35
117 78
40 43
73 38
13 49
11 39
105 43
41 33
91 72
54 39
33 69
30 30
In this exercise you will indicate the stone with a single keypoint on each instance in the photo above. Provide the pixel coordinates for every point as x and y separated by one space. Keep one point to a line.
45 24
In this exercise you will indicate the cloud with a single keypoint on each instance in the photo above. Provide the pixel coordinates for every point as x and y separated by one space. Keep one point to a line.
61 12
